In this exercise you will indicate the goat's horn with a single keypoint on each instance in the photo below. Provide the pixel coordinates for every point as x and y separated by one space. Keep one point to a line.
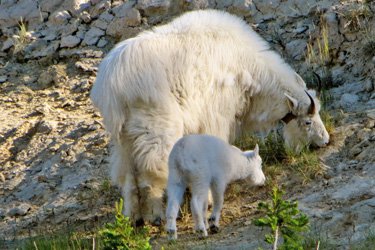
311 109
319 82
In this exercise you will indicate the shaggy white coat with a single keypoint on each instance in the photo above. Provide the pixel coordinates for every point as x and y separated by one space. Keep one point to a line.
206 72
205 162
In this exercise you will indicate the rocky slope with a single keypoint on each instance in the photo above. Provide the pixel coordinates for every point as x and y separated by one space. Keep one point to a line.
54 149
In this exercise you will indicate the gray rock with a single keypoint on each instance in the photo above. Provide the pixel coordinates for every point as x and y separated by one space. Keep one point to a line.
371 113
133 17
76 7
46 127
101 7
102 43
70 41
86 17
152 7
296 48
117 29
46 79
60 17
3 78
92 36
7 44
49 35
348 100
46 51
122 10
101 24
369 85
21 209
106 16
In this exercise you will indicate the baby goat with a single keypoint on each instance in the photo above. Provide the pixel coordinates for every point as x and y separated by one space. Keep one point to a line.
204 162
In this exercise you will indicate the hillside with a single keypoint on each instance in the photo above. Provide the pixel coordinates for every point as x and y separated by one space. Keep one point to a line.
54 151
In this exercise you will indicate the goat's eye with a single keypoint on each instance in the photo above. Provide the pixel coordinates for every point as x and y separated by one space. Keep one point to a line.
308 122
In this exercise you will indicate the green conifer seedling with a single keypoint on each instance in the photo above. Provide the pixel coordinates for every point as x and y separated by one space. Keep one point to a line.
284 219
121 235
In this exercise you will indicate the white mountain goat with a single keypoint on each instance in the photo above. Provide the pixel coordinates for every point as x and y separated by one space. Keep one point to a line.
303 131
205 162
206 72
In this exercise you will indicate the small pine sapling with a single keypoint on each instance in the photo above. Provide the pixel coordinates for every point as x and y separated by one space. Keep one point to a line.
121 235
284 219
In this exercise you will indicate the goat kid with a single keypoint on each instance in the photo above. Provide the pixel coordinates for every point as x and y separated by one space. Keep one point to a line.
204 162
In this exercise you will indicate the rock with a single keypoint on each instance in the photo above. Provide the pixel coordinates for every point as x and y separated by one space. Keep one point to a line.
81 32
348 100
101 7
86 17
76 7
47 51
106 16
92 36
49 35
46 127
45 79
152 7
369 85
371 113
7 44
122 10
60 17
70 41
3 78
296 48
132 18
118 30
266 8
12 11
101 24
102 43
21 209
242 7
2 178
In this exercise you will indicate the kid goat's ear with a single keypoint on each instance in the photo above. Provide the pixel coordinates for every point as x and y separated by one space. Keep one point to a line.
256 150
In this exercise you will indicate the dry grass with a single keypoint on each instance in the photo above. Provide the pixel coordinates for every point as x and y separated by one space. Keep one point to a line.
356 14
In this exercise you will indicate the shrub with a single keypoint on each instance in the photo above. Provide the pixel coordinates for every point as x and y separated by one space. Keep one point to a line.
284 219
121 235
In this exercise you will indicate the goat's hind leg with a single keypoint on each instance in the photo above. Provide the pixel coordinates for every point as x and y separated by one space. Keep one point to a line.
198 203
218 199
175 191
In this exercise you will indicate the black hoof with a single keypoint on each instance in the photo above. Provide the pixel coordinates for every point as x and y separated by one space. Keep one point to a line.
211 219
157 222
214 229
139 223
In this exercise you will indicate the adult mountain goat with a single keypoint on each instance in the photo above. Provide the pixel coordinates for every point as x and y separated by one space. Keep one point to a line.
206 72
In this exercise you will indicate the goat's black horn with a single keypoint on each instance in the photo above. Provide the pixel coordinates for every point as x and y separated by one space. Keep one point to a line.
320 85
311 109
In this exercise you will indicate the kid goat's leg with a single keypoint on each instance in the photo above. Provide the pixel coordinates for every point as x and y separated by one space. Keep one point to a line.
198 203
218 197
175 190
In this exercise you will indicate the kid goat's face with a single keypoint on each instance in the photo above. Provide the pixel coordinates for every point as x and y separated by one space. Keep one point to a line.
257 176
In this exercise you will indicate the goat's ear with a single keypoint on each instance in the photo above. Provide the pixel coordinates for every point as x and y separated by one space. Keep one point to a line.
300 81
293 101
256 150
